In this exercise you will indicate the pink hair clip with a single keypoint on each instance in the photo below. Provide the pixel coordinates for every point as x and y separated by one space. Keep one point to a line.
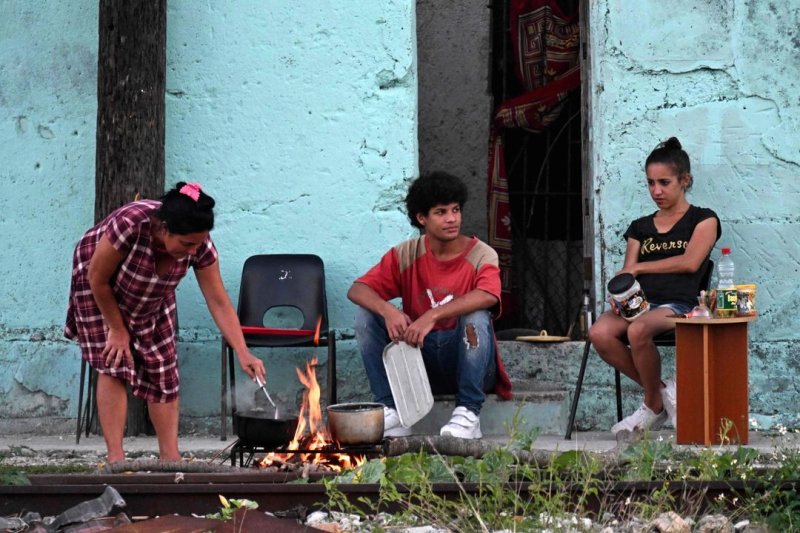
192 190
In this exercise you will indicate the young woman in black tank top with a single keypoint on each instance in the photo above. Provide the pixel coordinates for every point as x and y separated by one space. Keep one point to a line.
667 252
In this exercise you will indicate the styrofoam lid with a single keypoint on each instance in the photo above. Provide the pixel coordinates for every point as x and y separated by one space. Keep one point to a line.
409 382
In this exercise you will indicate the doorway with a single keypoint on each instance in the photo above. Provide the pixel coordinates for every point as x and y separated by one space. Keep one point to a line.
547 205
466 71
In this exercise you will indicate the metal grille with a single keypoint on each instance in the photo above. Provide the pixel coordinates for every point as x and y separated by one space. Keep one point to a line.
546 191
245 453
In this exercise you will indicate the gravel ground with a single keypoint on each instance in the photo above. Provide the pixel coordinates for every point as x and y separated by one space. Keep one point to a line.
59 453
24 456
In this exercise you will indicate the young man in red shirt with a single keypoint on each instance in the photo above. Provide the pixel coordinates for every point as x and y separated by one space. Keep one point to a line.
449 284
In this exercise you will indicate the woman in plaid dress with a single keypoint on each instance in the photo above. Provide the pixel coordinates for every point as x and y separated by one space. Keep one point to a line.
122 307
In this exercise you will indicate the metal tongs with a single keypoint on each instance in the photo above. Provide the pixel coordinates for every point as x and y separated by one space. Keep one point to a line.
263 386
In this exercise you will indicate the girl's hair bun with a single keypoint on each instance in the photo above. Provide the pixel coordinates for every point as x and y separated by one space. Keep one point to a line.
671 144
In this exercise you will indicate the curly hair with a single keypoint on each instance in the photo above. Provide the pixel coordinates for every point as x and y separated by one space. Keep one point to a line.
430 190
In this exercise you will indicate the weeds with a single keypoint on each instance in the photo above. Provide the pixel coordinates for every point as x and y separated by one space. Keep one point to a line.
492 501
497 492
229 507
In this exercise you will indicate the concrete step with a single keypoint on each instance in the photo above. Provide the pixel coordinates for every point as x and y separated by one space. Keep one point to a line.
546 411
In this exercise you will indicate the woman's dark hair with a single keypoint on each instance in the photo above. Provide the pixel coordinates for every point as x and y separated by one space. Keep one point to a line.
671 153
433 189
186 209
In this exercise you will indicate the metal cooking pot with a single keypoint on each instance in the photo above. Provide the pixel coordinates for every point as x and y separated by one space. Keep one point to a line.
356 423
259 428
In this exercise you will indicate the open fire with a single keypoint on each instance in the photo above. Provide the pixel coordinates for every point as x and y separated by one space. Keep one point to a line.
312 442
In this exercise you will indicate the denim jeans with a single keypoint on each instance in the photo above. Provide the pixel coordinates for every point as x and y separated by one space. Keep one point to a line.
454 365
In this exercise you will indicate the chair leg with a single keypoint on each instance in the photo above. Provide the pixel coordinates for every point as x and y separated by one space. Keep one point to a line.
331 368
80 401
618 385
232 379
574 407
90 411
223 410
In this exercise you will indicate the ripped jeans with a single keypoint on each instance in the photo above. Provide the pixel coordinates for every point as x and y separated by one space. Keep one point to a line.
454 364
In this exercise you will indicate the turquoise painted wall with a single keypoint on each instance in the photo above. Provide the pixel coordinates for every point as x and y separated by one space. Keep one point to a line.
48 80
298 116
722 76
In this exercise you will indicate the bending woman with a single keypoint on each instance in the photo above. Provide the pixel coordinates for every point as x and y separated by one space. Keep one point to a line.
667 252
122 307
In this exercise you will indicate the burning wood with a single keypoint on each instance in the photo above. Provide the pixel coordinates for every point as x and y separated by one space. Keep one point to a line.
312 441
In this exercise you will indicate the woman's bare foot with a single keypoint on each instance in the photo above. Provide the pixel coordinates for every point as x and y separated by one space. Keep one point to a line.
112 458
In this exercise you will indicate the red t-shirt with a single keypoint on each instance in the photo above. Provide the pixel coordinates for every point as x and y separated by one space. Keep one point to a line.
411 272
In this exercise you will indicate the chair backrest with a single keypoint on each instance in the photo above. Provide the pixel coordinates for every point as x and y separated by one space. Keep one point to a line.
705 281
276 280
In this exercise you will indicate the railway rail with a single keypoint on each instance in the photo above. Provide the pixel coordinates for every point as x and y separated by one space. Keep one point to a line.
158 494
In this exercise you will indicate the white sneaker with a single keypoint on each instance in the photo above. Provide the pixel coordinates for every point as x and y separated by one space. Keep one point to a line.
391 424
642 419
464 424
669 398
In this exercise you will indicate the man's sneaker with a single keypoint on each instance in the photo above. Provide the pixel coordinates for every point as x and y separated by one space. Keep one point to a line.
642 419
391 424
464 424
669 399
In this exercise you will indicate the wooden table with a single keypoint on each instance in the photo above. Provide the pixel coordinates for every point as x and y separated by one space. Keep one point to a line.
711 378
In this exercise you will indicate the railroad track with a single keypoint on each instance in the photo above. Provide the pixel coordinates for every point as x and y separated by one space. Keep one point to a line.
158 494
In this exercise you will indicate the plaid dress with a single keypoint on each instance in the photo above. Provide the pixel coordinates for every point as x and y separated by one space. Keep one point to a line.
146 301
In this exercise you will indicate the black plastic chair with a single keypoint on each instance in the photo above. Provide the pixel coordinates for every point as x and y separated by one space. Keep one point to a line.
280 280
664 339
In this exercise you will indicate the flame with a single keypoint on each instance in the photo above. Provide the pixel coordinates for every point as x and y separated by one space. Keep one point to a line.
312 433
310 409
316 330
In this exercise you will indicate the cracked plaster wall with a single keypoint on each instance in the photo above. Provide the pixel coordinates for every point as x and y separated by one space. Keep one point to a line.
723 76
299 117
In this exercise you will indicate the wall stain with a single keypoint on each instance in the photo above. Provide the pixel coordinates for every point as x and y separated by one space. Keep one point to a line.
21 124
45 132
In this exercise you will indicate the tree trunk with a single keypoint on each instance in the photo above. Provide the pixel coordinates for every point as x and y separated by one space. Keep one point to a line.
130 116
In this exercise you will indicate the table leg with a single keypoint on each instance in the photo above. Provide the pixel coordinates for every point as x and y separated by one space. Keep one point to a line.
712 383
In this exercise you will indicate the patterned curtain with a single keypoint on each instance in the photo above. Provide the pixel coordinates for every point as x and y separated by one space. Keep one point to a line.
545 42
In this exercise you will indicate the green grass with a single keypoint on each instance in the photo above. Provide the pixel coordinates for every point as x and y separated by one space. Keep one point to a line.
17 475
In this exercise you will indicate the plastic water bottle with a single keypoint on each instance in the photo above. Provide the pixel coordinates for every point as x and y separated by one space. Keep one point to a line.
586 315
726 271
726 288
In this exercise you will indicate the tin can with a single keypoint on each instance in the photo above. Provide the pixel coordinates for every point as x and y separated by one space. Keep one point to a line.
627 296
726 303
746 300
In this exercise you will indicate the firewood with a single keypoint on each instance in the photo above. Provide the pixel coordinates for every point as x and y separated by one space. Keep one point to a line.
285 465
443 445
477 448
